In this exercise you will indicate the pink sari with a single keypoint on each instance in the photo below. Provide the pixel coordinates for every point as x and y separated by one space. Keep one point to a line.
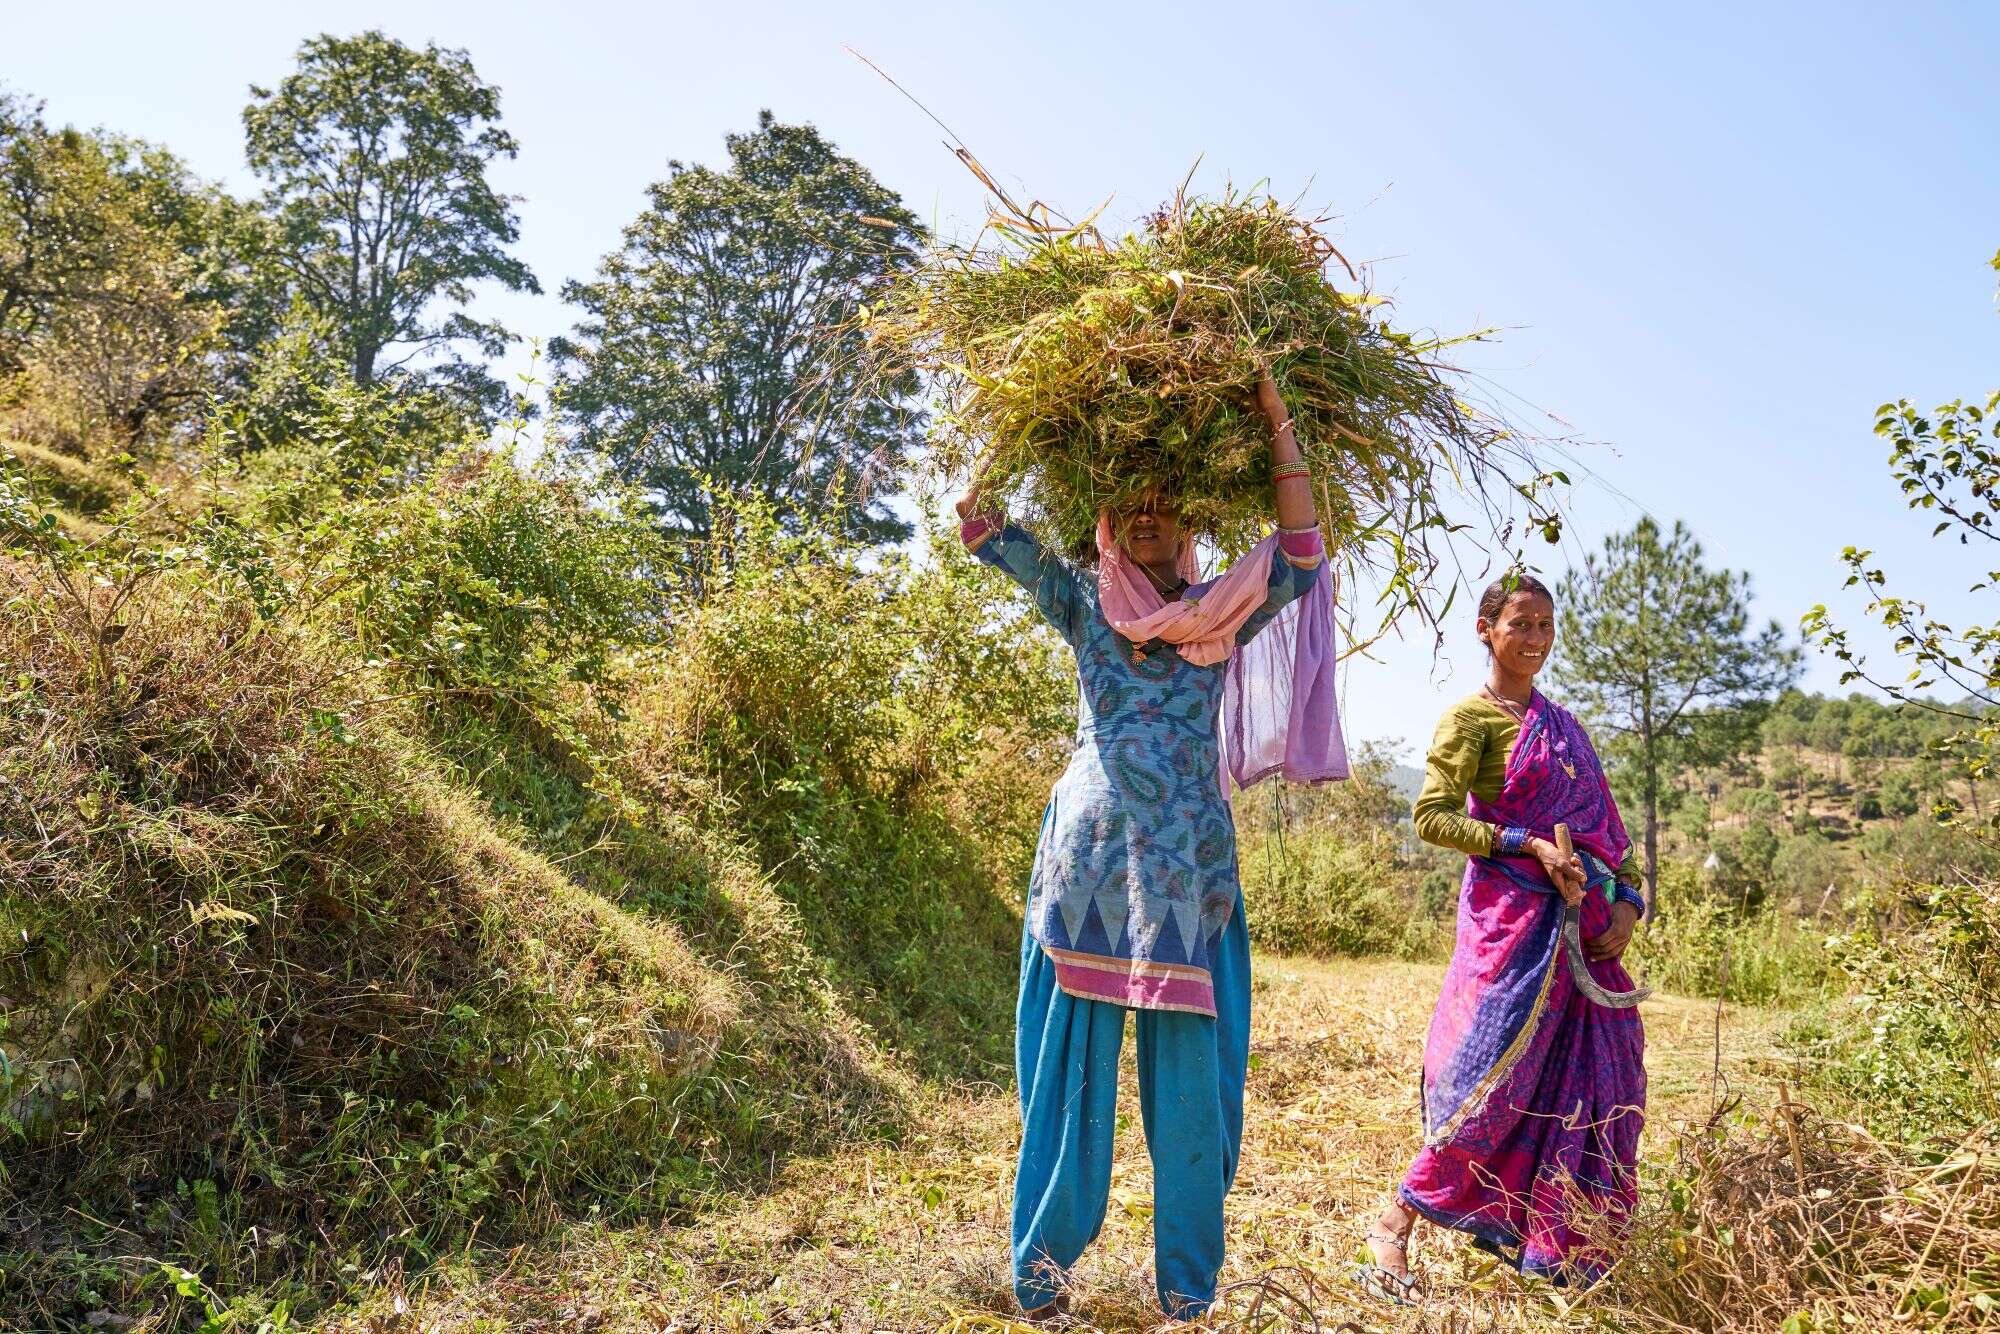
1534 1095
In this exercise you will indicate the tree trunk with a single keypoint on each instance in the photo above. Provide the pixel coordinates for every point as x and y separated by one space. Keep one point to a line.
1652 828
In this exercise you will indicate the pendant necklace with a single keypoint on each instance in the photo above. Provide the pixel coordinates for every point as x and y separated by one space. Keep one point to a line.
1520 716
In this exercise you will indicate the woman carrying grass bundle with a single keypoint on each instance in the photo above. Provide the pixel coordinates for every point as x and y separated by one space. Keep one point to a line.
1534 1091
1134 901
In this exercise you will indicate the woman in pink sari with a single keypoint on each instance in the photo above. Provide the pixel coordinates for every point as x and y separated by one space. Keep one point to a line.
1533 1091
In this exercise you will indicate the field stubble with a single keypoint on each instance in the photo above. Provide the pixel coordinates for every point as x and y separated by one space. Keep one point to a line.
913 1235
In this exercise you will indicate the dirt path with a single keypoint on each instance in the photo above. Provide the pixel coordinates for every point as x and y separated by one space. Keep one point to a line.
914 1237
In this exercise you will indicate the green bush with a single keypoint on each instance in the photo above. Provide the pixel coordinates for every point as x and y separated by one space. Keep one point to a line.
888 768
1759 803
1700 943
1745 856
1807 865
285 964
1318 892
1915 1043
1326 870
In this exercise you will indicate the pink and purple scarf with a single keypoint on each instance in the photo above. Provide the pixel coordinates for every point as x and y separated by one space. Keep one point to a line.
1280 709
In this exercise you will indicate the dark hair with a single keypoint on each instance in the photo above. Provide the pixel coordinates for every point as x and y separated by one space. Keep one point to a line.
1497 593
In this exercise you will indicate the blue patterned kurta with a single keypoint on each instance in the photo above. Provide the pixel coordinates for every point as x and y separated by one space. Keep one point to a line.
1135 874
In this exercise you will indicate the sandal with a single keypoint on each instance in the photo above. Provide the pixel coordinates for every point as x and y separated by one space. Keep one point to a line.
1382 1283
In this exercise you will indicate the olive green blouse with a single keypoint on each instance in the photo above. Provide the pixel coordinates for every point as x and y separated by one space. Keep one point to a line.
1469 755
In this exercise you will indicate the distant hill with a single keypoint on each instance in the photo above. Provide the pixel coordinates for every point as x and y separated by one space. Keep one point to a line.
1406 780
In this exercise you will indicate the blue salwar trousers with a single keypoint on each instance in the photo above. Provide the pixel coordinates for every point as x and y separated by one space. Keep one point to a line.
1191 1074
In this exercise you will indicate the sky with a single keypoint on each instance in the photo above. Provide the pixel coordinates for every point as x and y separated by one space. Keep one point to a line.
1715 236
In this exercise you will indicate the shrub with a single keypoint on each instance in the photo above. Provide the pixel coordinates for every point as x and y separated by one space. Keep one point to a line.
1745 855
281 962
887 767
1759 803
1924 1060
462 577
1324 871
1698 943
1806 866
1784 1219
1319 893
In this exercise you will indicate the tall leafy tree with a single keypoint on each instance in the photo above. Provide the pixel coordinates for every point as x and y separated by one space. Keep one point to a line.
1659 648
117 268
376 157
66 225
719 346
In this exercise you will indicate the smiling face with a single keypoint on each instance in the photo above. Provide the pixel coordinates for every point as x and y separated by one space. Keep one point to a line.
1521 634
1151 535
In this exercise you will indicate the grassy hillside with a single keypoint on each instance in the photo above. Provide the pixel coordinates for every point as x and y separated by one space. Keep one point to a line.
344 937
1834 796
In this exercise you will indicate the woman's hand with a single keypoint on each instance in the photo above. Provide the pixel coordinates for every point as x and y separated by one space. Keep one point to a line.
1294 492
1272 404
973 501
1615 937
1567 872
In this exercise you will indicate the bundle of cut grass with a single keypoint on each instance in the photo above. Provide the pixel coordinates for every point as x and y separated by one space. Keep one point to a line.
1089 374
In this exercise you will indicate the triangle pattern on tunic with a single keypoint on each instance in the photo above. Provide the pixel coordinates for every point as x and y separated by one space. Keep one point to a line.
1089 938
1112 911
1072 906
1146 941
1167 943
1186 914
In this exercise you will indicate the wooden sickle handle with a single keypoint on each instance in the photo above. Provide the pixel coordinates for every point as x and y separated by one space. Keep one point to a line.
1563 845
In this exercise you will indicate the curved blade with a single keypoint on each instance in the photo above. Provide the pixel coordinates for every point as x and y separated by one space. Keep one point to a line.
1579 970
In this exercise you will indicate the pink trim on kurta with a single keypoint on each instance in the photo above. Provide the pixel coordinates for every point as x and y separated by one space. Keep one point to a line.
974 531
1134 983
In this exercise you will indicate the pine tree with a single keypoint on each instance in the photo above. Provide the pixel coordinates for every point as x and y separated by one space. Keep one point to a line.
1658 648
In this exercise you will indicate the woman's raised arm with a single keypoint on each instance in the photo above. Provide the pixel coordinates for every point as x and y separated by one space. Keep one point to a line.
1288 469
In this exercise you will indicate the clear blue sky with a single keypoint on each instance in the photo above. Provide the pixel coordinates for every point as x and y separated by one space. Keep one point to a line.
1719 234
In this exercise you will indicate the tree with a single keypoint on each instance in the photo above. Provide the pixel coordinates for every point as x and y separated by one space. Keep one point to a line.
110 272
1744 857
1658 648
1860 752
1759 803
720 348
1900 793
376 155
1806 864
64 225
1947 463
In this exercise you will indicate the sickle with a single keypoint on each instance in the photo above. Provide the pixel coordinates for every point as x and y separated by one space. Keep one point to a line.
1572 933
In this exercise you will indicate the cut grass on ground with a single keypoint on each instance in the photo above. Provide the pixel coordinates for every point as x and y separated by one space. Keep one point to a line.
913 1236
